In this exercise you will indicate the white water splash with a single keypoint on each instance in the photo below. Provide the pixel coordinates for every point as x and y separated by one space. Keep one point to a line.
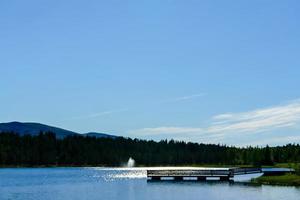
131 162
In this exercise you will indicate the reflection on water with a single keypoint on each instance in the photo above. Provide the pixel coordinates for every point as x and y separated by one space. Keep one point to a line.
124 174
124 183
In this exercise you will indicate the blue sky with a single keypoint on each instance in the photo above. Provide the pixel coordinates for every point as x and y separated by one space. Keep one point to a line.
204 71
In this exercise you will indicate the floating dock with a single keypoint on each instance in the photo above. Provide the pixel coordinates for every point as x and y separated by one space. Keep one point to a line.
224 174
277 171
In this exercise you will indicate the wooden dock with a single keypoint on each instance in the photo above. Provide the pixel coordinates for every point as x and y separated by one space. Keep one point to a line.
224 174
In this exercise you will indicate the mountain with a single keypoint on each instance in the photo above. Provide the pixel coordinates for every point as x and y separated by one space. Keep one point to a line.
99 135
35 128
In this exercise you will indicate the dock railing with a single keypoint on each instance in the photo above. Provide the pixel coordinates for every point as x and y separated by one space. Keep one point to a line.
247 170
201 173
188 173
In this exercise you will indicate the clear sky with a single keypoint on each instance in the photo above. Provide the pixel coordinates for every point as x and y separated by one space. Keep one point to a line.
204 71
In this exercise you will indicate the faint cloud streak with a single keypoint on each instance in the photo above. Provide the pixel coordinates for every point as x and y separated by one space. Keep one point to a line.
185 98
165 131
99 114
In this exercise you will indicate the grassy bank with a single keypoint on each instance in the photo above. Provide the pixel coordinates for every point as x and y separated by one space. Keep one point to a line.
284 180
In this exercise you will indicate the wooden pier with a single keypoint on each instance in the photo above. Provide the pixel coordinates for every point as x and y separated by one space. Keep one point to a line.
201 174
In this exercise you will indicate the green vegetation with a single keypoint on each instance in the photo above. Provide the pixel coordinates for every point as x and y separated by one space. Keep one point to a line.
295 166
46 150
285 180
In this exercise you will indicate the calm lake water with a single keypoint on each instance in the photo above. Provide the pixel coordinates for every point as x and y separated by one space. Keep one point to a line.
123 184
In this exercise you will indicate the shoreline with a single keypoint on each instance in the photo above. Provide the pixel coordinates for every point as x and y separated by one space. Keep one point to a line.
54 166
283 180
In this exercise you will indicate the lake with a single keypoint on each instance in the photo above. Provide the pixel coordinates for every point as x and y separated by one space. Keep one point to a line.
122 183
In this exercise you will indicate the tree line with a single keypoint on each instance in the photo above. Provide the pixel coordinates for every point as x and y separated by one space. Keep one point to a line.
46 150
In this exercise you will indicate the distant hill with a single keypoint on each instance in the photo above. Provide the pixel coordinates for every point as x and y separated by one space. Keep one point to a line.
99 135
36 128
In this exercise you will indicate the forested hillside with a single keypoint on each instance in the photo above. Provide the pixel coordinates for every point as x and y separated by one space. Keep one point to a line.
45 149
